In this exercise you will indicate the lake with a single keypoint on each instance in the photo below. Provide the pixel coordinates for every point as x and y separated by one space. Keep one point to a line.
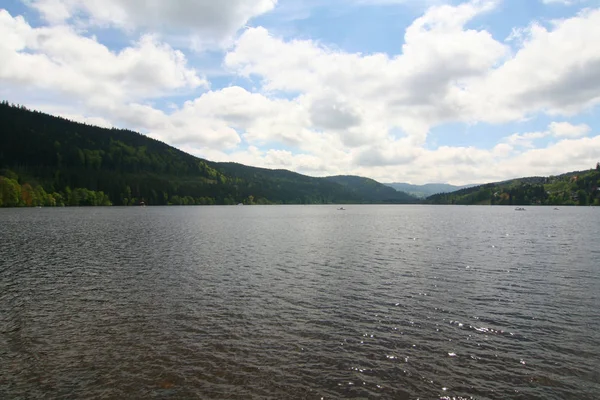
300 302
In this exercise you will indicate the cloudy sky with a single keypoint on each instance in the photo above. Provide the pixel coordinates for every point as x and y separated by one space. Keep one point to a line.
398 90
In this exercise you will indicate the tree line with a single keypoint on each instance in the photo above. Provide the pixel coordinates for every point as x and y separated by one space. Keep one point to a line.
14 194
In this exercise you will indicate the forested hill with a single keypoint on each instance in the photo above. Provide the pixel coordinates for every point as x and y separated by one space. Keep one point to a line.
372 190
47 160
426 190
573 188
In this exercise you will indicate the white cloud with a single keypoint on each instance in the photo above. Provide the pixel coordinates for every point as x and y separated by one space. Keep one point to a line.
183 127
524 139
556 71
555 129
59 59
412 91
207 20
262 120
445 73
562 2
333 112
461 165
458 165
565 155
275 159
567 130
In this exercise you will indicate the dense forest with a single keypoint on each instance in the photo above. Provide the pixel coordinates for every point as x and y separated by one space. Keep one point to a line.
372 190
573 188
47 160
426 190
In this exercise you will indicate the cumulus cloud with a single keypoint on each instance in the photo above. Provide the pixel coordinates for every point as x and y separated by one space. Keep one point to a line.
181 127
524 139
405 90
445 73
567 130
330 113
60 59
461 165
555 129
555 70
206 19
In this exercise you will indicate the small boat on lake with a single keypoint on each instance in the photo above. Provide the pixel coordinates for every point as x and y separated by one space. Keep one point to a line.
519 209
341 209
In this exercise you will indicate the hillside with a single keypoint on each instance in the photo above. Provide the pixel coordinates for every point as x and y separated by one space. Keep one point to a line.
572 188
47 160
426 190
372 190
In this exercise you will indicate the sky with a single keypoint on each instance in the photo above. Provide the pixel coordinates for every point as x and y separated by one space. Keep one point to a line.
413 91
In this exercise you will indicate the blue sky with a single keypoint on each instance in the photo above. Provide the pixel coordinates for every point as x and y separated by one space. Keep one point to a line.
398 90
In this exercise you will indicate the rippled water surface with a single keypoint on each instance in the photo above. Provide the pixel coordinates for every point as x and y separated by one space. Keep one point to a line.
294 302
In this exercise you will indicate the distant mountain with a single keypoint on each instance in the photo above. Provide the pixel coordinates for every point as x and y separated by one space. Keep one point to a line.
572 188
428 189
47 160
371 190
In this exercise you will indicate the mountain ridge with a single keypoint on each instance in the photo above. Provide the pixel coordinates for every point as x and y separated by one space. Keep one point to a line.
55 161
427 189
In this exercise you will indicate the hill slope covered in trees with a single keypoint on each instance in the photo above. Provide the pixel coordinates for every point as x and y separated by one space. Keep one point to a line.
47 160
426 190
573 188
372 190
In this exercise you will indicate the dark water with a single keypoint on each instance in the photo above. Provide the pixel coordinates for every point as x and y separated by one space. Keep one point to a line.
294 302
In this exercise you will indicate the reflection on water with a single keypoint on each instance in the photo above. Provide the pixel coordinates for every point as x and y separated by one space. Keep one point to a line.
300 302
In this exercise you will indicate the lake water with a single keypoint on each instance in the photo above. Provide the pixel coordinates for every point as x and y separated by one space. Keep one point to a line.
300 302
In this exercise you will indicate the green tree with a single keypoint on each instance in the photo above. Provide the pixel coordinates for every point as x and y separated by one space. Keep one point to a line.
582 198
73 197
10 192
126 196
41 197
50 201
58 199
